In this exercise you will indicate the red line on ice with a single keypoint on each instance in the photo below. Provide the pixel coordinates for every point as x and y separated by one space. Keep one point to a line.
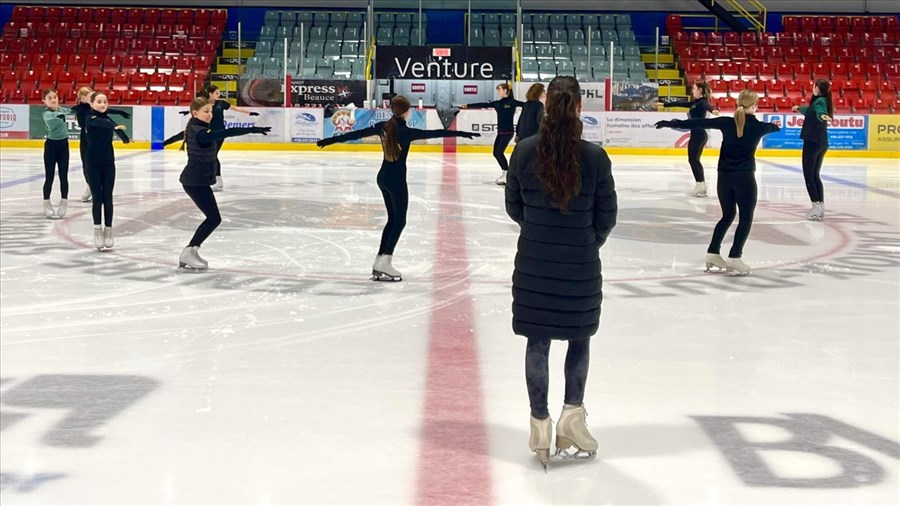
454 467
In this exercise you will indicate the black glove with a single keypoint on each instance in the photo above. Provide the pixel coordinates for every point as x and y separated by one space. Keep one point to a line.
126 115
469 135
664 124
183 113
61 116
324 142
261 130
254 114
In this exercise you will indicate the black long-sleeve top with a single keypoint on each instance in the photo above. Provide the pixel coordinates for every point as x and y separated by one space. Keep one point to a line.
201 151
405 137
99 130
530 120
218 119
506 111
82 111
737 153
697 109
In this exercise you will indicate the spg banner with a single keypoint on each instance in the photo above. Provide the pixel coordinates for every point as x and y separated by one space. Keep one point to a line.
307 93
349 120
14 121
634 129
306 124
37 129
884 132
846 132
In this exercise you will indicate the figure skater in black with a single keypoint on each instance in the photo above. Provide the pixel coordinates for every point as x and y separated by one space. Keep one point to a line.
201 141
396 137
506 111
699 107
737 182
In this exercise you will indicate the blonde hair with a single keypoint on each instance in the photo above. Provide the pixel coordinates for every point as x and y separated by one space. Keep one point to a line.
83 92
746 100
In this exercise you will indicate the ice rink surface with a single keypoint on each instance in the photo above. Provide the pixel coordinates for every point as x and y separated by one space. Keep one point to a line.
284 376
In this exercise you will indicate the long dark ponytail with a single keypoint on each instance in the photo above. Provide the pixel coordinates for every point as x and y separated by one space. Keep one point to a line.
390 141
824 92
559 150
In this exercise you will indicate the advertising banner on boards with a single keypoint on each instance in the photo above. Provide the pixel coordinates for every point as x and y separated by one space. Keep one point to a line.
456 63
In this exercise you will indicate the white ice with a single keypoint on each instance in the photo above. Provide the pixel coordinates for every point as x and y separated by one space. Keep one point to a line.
285 376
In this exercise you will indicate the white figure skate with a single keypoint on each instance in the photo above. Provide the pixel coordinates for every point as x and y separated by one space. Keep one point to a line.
573 440
541 433
715 263
699 190
48 210
737 267
219 186
108 241
98 237
87 196
190 261
63 207
502 179
384 271
816 212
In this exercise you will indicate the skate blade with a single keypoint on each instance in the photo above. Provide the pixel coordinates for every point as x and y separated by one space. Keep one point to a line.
193 270
381 276
736 274
714 269
700 195
573 453
543 457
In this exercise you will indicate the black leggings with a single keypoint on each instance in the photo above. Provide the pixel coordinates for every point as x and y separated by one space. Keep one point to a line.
102 179
393 188
737 192
537 373
218 163
205 199
500 144
56 153
695 150
813 156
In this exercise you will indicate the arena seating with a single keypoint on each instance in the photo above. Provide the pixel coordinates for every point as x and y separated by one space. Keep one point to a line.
325 45
859 55
557 44
137 55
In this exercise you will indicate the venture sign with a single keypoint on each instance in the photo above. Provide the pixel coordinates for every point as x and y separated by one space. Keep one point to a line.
473 63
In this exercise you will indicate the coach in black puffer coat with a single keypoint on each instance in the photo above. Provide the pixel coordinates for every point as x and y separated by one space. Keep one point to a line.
557 280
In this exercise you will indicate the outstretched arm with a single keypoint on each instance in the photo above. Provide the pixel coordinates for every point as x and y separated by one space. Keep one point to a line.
175 138
244 111
417 134
694 124
208 135
676 103
352 136
118 112
478 105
